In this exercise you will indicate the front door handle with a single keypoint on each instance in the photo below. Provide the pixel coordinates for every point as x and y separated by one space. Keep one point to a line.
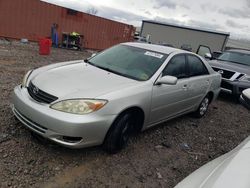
185 87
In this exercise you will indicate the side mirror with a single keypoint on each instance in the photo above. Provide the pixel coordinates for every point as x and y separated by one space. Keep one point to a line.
94 54
208 56
169 80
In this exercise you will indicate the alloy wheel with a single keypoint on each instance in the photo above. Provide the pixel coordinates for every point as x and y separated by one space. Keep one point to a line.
204 106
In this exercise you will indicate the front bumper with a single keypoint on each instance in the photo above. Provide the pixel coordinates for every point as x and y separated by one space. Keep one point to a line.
234 87
70 130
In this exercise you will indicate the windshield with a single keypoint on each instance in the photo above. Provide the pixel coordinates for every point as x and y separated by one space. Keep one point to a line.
136 63
235 57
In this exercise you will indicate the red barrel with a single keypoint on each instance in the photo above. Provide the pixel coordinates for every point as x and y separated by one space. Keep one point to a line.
44 46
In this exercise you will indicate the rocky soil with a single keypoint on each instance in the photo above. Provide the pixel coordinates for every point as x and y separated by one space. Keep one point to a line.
159 157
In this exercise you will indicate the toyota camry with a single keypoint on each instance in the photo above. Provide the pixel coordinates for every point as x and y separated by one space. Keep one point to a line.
121 91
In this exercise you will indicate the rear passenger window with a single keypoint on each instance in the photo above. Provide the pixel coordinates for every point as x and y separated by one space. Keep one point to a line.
196 66
176 67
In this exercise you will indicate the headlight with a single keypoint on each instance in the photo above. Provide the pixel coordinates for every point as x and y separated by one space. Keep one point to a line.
79 106
245 78
25 78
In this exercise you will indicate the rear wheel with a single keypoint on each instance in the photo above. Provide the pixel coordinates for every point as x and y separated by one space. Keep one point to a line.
203 107
119 134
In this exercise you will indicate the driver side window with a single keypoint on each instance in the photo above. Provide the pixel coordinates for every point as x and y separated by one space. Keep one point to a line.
176 67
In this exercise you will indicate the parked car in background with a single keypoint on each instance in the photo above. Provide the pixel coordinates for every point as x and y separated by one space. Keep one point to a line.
245 98
186 47
204 51
216 54
228 171
120 91
234 66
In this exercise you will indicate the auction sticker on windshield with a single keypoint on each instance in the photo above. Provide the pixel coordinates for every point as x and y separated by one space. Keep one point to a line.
153 54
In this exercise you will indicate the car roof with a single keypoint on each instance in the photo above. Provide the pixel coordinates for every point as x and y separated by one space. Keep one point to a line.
154 47
239 51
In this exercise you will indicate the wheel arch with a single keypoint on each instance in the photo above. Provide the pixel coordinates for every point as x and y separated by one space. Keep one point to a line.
135 110
210 94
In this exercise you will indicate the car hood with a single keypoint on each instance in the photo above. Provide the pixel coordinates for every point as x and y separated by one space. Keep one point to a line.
80 80
228 171
230 66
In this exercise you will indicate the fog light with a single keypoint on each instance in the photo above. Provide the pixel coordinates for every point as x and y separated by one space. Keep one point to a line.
71 139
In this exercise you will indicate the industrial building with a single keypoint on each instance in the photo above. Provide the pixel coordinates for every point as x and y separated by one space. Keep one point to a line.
176 35
33 19
239 44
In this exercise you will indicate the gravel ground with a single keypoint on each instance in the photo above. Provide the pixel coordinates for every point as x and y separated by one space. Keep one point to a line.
159 157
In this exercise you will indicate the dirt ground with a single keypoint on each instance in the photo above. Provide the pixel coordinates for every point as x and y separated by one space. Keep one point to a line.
159 157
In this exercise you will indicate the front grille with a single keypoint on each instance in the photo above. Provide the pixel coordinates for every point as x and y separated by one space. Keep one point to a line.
240 76
40 95
224 73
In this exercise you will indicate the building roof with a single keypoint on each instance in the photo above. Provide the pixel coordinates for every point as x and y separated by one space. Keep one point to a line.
187 27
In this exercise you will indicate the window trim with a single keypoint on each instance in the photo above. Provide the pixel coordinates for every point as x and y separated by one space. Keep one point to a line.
203 46
188 67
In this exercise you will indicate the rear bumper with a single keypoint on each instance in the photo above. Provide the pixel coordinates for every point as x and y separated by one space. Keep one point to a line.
234 87
73 131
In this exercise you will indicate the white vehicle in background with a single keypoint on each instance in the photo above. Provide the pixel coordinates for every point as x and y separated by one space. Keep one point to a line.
231 170
245 98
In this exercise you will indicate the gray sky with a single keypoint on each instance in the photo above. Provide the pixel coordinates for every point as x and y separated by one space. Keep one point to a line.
223 15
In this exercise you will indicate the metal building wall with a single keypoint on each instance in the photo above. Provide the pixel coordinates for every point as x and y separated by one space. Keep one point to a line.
178 36
32 19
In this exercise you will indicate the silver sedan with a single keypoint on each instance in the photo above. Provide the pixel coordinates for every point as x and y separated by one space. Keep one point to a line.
118 92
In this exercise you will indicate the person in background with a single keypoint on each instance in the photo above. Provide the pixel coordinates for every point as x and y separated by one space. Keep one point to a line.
54 35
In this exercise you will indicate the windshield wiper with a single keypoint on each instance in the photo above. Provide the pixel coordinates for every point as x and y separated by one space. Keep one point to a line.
86 61
110 70
89 62
104 68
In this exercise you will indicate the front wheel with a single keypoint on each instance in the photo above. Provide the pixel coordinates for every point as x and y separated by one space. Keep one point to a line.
203 107
118 136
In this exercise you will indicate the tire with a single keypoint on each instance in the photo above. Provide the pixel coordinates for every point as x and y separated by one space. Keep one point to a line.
119 134
203 107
